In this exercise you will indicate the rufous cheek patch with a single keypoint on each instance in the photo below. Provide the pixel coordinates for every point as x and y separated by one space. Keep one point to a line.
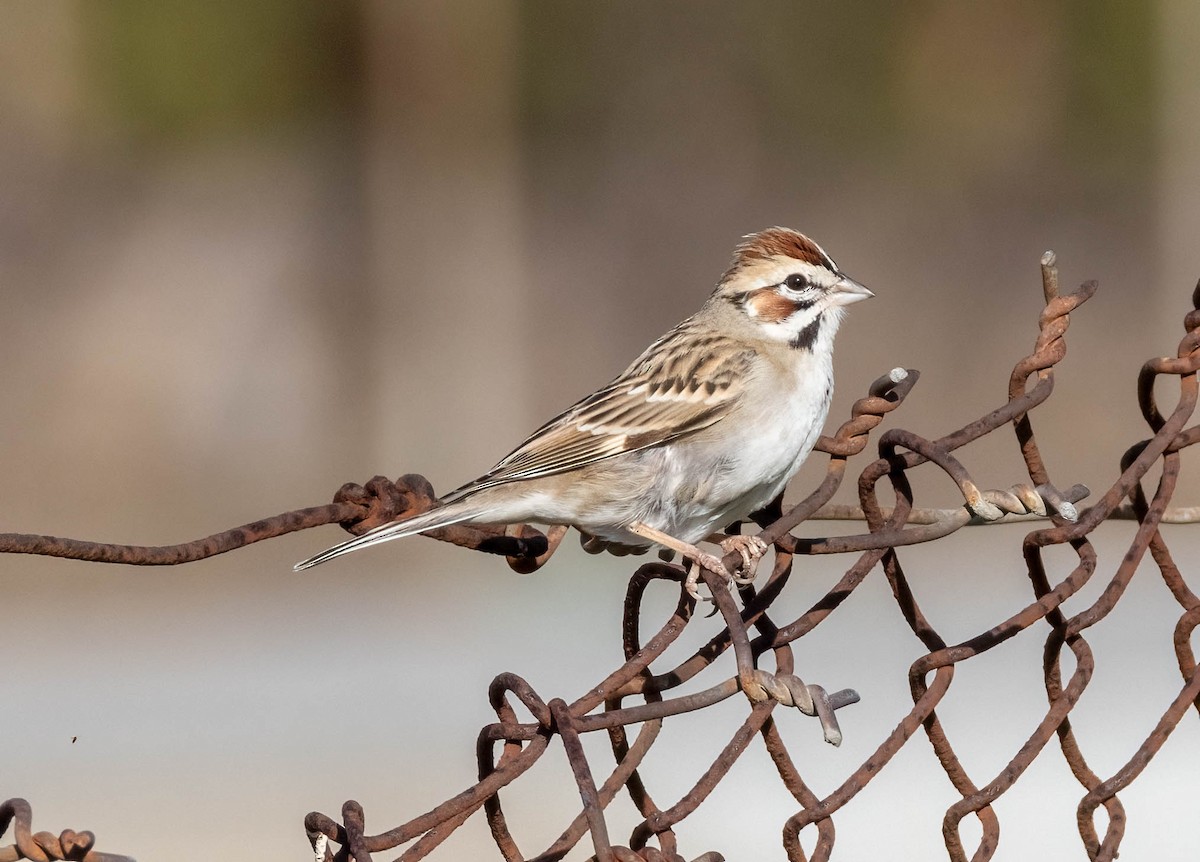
769 306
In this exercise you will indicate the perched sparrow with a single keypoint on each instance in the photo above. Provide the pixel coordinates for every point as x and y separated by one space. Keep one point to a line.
705 427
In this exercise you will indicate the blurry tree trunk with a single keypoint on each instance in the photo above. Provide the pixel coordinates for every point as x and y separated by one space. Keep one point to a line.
1179 180
444 254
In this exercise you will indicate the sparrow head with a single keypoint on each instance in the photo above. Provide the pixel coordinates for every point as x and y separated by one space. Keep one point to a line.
787 284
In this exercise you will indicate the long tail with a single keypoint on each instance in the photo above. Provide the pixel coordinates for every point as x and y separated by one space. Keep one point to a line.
443 516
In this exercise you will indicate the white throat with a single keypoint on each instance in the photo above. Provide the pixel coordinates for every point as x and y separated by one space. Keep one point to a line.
810 329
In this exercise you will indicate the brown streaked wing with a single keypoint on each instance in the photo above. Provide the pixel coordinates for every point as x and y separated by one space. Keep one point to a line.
684 382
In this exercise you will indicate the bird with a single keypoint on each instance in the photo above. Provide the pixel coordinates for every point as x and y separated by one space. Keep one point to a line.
705 427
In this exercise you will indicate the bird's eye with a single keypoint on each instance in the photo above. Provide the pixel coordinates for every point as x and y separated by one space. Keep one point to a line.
796 282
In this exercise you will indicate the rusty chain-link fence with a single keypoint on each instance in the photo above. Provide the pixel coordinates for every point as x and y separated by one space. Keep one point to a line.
642 693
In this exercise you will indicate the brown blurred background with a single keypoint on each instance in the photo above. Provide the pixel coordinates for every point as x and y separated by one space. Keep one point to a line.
249 252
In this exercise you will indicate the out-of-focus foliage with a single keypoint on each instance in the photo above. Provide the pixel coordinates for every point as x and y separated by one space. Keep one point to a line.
175 71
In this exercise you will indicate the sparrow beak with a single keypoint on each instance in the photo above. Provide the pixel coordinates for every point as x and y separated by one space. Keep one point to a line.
848 291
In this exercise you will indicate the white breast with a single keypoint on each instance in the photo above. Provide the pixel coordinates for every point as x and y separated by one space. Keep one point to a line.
773 447
704 483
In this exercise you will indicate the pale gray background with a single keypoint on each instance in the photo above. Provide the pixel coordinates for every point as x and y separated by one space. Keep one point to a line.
248 253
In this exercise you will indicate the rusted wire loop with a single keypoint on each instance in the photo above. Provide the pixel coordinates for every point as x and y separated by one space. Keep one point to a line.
527 563
317 825
45 846
320 831
355 822
980 507
885 394
510 682
1185 363
1183 644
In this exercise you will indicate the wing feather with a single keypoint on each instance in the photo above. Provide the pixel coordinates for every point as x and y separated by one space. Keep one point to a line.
684 382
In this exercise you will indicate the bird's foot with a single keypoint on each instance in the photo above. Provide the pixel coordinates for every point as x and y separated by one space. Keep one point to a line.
700 560
698 557
751 549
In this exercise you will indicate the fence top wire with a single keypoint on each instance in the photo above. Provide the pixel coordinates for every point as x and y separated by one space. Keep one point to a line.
640 693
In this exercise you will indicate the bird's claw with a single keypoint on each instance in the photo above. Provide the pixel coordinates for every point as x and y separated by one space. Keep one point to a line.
751 549
703 561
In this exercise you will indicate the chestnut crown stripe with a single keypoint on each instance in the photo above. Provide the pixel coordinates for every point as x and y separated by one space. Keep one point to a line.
778 242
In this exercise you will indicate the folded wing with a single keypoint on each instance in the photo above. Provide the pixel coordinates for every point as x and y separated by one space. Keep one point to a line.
684 382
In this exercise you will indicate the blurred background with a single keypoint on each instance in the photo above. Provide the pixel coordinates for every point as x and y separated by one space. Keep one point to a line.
249 252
